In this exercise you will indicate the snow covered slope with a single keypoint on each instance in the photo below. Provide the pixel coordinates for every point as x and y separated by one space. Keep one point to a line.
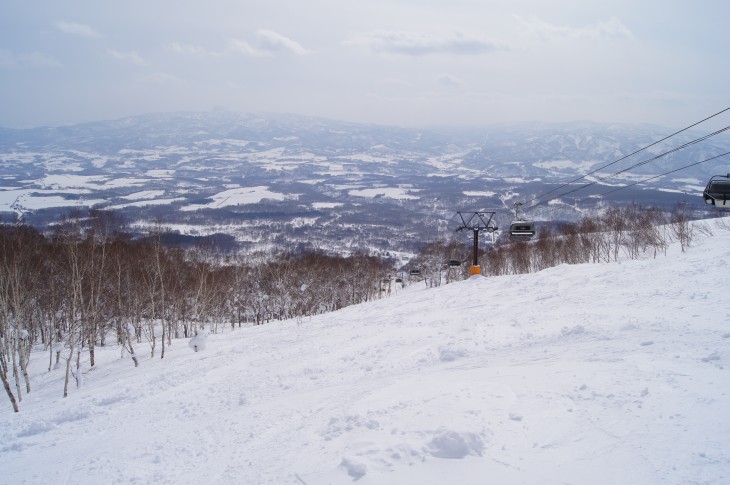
603 373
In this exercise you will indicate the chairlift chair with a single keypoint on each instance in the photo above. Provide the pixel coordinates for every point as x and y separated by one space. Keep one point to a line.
454 263
522 229
415 272
717 192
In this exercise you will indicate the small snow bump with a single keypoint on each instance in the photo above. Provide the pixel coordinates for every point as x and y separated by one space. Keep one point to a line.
449 354
454 445
712 357
576 330
354 469
198 342
647 342
515 417
35 428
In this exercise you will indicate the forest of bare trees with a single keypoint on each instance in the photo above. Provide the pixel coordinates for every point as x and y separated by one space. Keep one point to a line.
88 283
629 232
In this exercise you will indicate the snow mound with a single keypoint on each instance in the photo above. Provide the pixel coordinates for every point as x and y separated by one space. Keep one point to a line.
455 445
199 341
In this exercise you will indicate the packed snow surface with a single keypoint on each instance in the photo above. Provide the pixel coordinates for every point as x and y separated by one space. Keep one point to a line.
240 195
389 192
600 373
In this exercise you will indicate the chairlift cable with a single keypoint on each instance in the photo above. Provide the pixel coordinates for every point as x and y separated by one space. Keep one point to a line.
644 162
666 173
554 209
625 157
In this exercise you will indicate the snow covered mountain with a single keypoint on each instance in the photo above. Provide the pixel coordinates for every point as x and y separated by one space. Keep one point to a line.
598 373
326 183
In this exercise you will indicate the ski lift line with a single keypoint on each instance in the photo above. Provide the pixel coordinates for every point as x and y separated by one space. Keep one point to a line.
672 151
554 209
644 162
629 155
667 173
599 179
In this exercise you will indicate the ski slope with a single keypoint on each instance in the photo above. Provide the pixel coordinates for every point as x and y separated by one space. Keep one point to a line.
600 373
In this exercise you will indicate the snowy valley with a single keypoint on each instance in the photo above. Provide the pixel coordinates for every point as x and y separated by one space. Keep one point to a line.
294 182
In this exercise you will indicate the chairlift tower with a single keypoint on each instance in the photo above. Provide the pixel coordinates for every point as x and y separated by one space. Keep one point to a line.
477 222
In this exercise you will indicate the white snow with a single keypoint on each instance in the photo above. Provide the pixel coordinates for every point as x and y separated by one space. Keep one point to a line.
160 173
32 199
582 166
326 205
476 193
144 203
199 341
399 193
241 195
599 373
144 194
66 181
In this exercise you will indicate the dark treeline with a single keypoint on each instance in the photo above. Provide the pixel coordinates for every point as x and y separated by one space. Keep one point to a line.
629 232
88 283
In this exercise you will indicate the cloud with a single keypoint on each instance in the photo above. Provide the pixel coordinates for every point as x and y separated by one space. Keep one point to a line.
450 81
267 43
188 49
418 44
161 79
612 27
131 56
243 47
272 42
12 60
74 28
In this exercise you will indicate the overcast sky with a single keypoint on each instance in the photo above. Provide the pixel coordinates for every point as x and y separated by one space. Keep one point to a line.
396 62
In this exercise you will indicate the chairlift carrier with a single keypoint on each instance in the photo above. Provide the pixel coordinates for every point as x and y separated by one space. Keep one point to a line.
717 192
521 228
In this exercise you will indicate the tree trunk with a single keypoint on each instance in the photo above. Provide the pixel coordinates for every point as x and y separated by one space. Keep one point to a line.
6 384
68 371
79 380
16 376
92 342
131 350
24 364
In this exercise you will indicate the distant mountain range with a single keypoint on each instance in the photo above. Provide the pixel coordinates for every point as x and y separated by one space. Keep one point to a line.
297 182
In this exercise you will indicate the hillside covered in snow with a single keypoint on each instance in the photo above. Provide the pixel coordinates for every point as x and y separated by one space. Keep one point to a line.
596 373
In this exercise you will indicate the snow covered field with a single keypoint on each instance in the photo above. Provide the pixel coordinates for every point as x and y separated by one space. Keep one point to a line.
603 373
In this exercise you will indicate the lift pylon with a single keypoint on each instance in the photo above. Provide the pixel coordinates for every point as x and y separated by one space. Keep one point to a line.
477 222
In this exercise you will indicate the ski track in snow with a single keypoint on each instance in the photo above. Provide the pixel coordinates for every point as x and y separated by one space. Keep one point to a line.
600 373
